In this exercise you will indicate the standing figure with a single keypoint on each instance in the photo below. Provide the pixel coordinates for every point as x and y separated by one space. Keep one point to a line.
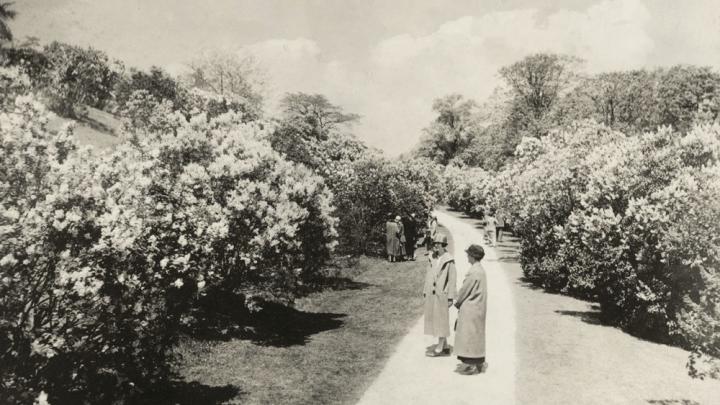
500 217
410 227
490 225
400 253
431 233
439 291
391 239
472 310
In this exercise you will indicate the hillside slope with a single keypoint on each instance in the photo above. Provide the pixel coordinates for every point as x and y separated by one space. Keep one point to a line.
97 128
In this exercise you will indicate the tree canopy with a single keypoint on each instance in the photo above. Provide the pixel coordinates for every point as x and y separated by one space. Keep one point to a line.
313 115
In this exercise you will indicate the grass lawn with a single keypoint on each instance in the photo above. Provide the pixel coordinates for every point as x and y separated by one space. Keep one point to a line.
326 350
97 128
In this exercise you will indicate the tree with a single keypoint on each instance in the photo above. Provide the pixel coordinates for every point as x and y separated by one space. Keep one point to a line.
625 101
536 84
487 149
452 130
30 59
236 78
683 90
309 132
156 82
312 115
78 77
6 14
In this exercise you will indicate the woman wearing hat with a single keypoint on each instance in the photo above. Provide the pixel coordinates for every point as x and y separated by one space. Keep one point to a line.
392 241
439 291
400 253
431 233
472 308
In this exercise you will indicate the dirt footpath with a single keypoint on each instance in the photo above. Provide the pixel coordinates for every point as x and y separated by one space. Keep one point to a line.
410 377
542 348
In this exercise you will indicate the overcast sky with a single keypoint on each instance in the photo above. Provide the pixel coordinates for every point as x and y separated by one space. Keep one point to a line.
384 59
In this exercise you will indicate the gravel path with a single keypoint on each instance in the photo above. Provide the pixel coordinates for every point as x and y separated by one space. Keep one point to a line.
411 378
544 349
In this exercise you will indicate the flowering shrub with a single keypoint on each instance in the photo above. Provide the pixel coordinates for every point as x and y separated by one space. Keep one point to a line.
466 189
366 191
628 221
212 104
102 257
78 77
611 244
366 186
13 82
143 114
546 190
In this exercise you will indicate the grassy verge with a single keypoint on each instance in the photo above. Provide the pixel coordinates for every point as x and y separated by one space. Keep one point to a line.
325 351
96 128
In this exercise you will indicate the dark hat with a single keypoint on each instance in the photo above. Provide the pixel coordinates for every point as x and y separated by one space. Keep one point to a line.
476 251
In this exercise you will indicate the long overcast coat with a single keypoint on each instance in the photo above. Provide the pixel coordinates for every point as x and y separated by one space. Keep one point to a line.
392 240
440 285
472 309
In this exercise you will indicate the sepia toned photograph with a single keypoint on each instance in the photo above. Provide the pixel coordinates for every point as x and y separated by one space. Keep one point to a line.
360 202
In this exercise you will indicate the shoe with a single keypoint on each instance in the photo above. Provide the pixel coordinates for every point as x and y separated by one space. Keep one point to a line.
444 353
468 369
483 367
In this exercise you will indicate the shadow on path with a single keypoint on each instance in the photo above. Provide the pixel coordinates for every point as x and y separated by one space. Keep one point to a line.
591 317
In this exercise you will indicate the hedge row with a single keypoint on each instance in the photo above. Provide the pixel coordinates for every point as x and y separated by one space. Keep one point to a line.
629 221
102 256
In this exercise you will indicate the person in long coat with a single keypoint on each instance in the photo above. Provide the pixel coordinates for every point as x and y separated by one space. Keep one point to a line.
431 234
490 225
439 292
391 239
410 227
472 310
401 238
500 227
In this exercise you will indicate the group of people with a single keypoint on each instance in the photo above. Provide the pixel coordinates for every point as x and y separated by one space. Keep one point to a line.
440 288
440 293
401 238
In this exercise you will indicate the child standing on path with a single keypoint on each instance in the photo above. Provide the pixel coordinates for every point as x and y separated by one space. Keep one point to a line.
472 310
439 291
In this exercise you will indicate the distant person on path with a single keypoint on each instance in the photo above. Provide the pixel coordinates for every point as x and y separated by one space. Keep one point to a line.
439 291
410 227
401 238
392 241
500 217
490 225
431 233
472 309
